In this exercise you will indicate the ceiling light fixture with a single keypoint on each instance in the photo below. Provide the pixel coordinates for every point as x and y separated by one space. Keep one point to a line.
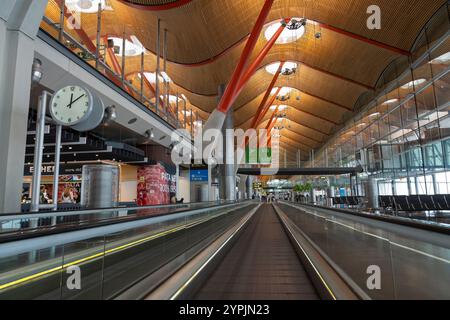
294 30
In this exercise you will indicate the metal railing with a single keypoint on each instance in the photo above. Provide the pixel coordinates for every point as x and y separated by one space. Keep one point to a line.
175 115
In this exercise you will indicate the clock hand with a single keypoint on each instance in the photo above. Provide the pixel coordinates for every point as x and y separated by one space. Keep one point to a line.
70 104
77 99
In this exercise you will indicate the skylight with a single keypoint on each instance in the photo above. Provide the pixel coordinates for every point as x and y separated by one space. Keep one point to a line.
284 91
443 59
86 6
132 48
280 107
389 101
293 31
151 77
413 84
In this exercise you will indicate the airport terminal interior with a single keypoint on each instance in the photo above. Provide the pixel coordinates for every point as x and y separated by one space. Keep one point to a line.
224 150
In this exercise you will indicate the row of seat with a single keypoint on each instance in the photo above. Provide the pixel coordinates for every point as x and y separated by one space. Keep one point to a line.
349 201
416 202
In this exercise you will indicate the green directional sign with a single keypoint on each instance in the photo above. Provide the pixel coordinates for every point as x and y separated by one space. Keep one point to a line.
258 155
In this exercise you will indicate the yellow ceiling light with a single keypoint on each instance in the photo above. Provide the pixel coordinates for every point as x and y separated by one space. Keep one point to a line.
288 68
294 30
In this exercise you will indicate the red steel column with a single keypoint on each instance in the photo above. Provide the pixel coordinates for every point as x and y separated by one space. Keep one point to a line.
226 100
267 107
267 94
254 66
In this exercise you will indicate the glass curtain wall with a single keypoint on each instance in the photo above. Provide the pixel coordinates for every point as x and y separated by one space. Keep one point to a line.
401 134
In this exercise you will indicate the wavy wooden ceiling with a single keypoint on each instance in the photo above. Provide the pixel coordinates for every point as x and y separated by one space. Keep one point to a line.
206 37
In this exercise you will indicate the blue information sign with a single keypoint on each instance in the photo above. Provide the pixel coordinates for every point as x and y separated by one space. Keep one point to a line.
199 175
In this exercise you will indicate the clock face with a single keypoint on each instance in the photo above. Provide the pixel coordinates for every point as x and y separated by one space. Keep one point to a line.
71 105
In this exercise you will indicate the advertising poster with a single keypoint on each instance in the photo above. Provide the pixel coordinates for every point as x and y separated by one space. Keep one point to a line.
155 185
69 189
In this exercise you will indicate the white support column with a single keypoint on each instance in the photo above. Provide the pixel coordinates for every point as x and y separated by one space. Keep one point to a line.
210 191
230 166
177 182
19 24
249 186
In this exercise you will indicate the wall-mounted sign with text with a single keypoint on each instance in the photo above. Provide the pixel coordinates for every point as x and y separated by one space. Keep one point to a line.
199 175
48 170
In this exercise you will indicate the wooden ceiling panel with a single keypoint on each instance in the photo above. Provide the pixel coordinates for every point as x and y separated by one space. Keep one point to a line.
206 38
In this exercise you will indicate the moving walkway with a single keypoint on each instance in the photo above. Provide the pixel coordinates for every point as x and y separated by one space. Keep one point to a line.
242 251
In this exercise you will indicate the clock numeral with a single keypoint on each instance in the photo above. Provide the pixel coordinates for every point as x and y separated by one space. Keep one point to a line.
72 88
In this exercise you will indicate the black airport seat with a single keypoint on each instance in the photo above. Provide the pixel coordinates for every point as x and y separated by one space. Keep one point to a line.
415 204
386 201
447 200
440 202
427 202
345 200
353 201
401 203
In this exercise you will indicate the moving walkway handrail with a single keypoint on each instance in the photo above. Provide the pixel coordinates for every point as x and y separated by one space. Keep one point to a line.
96 230
44 214
39 231
425 225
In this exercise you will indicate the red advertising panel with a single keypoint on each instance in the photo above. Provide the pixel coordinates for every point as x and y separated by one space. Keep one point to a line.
155 185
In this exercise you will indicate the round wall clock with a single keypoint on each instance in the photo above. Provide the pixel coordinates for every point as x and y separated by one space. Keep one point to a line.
71 105
77 107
